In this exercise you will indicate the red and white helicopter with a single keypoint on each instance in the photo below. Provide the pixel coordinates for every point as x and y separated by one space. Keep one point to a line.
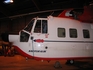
55 38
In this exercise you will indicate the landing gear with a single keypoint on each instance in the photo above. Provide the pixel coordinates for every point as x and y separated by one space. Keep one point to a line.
26 58
70 62
57 64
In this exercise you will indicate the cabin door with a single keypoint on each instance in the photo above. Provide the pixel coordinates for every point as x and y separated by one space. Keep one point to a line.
39 34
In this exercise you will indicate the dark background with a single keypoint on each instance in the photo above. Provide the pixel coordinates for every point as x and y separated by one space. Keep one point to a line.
14 16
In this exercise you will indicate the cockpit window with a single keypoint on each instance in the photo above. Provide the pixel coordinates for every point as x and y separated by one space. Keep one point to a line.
24 37
44 26
38 27
29 26
41 26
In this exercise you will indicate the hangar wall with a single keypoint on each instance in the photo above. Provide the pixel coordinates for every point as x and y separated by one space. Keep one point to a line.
13 26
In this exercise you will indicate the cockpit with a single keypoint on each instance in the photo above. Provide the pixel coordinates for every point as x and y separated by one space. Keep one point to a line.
37 25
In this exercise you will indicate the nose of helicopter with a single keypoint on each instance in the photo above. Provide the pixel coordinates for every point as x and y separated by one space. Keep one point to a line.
5 37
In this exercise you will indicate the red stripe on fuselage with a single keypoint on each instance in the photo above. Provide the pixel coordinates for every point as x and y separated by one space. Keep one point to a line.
42 58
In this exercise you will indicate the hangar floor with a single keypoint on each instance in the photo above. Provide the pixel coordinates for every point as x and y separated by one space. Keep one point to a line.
20 63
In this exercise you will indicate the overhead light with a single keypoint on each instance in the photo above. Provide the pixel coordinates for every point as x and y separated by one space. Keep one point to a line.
8 1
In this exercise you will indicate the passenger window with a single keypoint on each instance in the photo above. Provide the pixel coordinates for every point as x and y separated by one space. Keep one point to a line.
61 32
38 27
86 33
73 33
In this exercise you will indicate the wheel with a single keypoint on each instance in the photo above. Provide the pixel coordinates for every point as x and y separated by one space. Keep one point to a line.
70 62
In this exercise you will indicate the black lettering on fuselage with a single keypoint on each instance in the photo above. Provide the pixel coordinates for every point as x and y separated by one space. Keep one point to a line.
42 51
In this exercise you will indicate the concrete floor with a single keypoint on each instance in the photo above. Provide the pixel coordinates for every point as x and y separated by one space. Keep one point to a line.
20 63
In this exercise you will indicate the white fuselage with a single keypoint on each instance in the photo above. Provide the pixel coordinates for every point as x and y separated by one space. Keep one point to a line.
57 43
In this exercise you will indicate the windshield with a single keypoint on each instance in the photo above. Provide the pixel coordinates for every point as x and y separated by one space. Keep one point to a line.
29 26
